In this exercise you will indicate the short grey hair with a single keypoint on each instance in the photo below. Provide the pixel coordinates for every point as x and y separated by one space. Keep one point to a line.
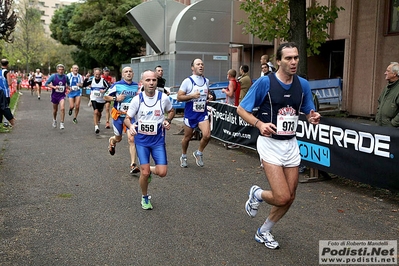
395 68
147 70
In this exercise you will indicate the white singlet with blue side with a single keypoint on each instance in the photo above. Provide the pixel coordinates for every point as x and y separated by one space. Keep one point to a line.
149 114
195 108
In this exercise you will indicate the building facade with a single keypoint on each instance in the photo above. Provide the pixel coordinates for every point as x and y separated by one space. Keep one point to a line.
47 9
363 41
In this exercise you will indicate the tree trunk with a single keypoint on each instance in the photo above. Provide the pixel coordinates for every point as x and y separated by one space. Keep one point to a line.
298 32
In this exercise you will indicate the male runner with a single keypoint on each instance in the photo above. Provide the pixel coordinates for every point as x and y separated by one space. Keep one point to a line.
122 93
148 110
76 83
280 97
194 91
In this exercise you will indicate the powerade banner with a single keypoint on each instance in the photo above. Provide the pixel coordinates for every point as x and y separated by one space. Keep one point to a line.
361 152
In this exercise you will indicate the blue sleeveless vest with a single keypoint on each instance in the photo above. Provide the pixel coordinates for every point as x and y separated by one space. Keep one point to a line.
278 98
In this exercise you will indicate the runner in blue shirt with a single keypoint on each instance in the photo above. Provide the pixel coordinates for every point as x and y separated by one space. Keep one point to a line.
122 93
76 83
280 97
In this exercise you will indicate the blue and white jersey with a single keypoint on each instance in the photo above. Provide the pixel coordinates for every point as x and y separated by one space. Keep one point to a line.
195 108
4 82
74 80
123 88
38 77
149 114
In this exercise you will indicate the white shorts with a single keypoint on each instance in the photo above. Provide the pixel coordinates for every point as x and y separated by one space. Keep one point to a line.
278 152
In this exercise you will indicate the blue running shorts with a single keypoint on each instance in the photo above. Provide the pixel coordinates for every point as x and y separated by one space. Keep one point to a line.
193 123
118 126
158 153
74 94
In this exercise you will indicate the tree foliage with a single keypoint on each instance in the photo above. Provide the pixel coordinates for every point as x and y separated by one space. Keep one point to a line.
101 30
32 48
280 19
8 20
28 36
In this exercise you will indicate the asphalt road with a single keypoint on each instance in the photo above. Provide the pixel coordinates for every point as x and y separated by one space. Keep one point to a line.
65 201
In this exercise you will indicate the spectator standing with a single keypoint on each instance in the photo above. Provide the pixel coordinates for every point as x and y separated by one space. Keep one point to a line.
5 80
194 90
388 102
122 93
148 109
107 77
58 83
245 81
230 91
263 60
281 96
76 83
265 69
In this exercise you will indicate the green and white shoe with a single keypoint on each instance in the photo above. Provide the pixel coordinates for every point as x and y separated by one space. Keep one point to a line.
146 203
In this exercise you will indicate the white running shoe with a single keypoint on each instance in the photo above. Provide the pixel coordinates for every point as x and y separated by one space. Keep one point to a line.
54 123
183 162
252 204
198 159
62 126
266 238
96 129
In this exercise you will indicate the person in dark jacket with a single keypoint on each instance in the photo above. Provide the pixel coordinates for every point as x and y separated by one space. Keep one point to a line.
388 102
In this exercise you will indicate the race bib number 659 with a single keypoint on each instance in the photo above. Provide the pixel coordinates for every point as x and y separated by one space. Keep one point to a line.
147 127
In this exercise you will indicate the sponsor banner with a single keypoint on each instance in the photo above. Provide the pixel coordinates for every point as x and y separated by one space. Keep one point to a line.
362 152
228 126
343 252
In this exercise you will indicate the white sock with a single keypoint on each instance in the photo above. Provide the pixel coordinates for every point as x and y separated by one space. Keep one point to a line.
258 194
267 226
